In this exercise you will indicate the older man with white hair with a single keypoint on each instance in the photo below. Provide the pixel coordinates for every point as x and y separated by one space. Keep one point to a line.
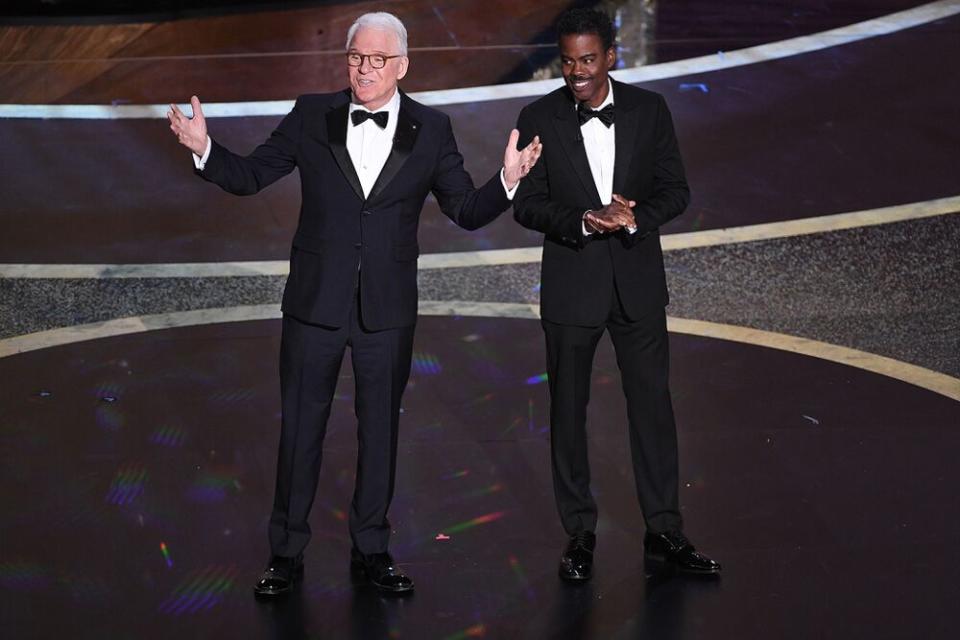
368 156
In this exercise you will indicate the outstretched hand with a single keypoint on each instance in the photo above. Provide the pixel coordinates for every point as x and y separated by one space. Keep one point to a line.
517 164
191 132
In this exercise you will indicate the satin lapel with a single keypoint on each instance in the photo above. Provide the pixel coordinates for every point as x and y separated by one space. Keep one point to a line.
568 130
403 140
625 135
337 138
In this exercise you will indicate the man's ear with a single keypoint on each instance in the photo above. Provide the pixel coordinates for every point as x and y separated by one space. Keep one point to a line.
611 57
404 65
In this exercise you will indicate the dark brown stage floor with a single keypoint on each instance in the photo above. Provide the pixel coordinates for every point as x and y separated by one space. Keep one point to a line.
818 432
824 490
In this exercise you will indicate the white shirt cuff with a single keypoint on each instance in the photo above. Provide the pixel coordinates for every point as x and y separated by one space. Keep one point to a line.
510 192
200 162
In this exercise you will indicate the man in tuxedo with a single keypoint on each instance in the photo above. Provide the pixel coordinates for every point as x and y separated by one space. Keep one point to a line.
368 156
610 176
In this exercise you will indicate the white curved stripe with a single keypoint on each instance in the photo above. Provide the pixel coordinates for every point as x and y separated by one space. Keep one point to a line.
925 378
168 270
722 60
808 226
135 324
523 255
919 376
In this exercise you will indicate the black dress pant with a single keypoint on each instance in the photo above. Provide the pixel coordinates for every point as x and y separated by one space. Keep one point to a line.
643 358
310 359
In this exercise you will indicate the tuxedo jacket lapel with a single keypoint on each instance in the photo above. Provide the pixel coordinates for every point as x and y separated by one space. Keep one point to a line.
403 140
625 134
337 138
568 131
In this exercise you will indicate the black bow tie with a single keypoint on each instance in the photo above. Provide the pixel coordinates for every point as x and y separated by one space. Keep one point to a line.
584 113
380 117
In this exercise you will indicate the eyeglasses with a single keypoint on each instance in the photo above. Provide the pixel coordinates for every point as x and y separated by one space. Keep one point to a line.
377 60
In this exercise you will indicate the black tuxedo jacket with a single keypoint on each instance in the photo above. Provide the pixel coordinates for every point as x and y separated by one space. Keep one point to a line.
578 274
340 234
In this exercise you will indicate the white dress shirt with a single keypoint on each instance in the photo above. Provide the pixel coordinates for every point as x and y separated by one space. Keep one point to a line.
599 141
600 144
368 146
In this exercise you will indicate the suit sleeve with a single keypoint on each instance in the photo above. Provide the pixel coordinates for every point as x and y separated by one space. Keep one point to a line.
670 194
246 175
453 187
532 206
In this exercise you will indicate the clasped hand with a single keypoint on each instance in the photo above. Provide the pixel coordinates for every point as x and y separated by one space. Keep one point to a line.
616 215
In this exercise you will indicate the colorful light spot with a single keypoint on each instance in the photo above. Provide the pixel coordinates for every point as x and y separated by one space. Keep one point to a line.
166 554
127 484
200 591
475 522
213 486
476 631
521 576
168 436
109 417
426 364
23 576
231 397
537 379
485 491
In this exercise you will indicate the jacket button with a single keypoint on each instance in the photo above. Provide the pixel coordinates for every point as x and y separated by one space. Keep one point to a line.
357 245
366 212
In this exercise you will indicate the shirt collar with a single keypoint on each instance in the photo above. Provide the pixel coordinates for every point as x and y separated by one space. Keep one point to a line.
609 99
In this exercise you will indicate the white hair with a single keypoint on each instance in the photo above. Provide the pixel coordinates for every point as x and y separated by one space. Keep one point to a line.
380 20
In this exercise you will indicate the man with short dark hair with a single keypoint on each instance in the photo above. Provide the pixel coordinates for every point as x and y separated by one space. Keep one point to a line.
368 156
610 176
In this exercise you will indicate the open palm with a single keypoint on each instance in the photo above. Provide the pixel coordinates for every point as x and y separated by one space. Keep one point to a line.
517 164
191 132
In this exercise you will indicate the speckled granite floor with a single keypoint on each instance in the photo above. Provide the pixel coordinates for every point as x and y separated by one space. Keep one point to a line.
892 290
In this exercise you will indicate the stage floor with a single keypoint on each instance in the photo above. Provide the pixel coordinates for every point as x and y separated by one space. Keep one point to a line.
815 284
824 490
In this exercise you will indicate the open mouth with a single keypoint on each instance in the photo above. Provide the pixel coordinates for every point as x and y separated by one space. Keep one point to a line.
579 84
363 82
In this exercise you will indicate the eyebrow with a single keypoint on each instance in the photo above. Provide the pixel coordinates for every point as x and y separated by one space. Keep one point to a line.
374 53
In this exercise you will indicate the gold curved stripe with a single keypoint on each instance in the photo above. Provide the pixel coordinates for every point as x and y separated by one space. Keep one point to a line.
912 374
491 257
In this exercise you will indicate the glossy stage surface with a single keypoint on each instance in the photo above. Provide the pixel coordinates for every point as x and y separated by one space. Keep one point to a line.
815 301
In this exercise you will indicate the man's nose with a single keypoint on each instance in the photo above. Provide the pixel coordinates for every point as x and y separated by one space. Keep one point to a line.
365 66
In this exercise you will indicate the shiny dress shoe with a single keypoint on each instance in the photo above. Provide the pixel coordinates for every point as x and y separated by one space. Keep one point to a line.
380 570
673 548
576 563
279 576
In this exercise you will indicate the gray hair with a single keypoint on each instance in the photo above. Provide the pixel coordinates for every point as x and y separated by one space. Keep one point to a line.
380 20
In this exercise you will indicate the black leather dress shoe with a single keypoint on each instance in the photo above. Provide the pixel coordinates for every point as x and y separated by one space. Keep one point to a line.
672 547
279 577
380 570
576 563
